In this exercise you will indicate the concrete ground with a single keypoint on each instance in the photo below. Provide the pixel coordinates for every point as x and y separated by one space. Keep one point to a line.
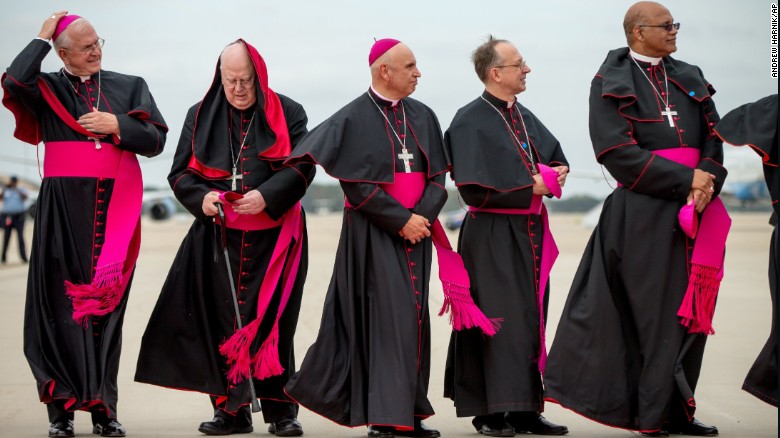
742 324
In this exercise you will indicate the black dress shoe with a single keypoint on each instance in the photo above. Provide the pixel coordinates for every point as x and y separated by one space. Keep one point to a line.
286 427
224 425
693 427
492 425
534 423
111 428
420 431
381 431
61 428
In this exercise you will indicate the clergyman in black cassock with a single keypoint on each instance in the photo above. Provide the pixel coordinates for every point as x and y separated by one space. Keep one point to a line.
621 355
232 146
87 225
370 363
499 152
755 125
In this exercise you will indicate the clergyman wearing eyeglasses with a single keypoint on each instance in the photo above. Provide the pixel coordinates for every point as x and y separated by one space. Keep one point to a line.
629 346
93 123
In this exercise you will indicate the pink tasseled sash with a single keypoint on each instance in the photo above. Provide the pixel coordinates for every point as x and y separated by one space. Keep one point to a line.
698 305
119 252
236 349
464 314
549 249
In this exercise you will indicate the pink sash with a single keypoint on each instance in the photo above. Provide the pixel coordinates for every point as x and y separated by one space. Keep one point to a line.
407 190
236 349
549 249
119 252
698 305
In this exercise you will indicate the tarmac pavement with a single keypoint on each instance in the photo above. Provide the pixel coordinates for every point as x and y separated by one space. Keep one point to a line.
742 323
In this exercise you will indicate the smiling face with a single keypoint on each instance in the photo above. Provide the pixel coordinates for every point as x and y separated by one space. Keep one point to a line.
83 54
238 77
649 38
510 74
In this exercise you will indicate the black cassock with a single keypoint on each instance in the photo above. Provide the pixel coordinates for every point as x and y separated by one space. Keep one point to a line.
620 355
502 255
76 367
370 363
755 125
195 313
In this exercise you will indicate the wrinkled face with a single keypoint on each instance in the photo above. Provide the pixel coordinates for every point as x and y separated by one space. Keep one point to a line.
511 73
238 77
83 56
656 41
402 70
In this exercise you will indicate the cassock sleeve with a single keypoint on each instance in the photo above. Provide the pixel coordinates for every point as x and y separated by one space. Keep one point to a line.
138 133
636 168
377 205
23 73
712 147
433 198
288 185
189 188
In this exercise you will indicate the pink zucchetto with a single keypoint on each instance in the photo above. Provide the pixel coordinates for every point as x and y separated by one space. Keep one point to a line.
379 48
63 24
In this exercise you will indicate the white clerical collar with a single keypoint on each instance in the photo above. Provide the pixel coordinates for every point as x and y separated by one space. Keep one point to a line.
638 57
394 102
83 78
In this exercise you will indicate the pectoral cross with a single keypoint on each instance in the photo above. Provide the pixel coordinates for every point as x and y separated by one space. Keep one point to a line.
406 156
236 176
669 114
97 143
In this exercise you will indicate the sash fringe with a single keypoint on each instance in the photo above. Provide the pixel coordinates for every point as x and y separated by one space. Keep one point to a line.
266 361
698 305
464 314
98 298
236 351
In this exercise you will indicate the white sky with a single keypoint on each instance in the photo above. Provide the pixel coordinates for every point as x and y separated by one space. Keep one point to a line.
316 52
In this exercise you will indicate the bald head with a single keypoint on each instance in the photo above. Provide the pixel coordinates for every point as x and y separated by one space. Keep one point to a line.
639 13
238 76
395 73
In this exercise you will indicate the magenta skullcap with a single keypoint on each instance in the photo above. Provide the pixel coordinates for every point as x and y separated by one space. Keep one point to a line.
63 24
380 47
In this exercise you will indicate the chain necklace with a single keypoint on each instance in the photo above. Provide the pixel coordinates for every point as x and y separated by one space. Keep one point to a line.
523 145
96 107
405 155
668 113
235 158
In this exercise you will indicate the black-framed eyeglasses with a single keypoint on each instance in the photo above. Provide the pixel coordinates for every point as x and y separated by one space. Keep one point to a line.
90 48
666 27
520 65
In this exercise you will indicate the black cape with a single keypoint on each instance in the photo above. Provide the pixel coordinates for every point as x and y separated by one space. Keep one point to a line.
74 365
370 363
498 374
194 313
620 355
755 125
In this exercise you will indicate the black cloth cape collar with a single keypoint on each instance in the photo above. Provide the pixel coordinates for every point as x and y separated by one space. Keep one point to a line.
500 167
353 144
618 82
754 125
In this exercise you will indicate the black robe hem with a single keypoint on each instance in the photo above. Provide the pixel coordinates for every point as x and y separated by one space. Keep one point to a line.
597 418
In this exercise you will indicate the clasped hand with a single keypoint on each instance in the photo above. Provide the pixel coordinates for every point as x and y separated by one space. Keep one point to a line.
416 229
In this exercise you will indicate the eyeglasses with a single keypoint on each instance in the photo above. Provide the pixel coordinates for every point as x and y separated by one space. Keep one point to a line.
238 83
90 48
520 65
666 27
